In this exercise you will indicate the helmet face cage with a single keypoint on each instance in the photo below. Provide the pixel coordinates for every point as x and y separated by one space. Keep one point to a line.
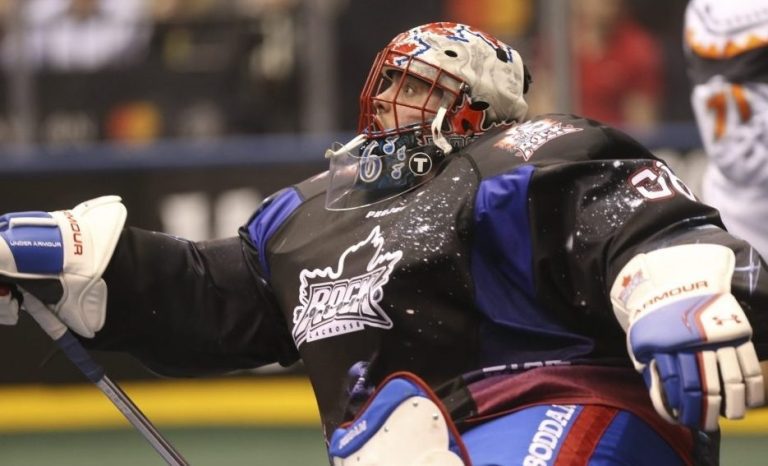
443 88
479 79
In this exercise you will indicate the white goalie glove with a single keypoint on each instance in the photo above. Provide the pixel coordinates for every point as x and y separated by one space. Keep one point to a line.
687 334
56 259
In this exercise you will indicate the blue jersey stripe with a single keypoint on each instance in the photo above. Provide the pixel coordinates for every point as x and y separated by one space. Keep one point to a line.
501 252
502 270
502 231
268 220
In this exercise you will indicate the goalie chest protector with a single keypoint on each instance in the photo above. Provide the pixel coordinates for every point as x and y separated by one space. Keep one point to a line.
391 286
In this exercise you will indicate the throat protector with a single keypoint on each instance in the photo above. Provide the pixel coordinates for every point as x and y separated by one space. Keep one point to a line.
376 170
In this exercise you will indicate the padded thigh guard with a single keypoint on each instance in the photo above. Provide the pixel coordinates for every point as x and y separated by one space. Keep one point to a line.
59 258
688 335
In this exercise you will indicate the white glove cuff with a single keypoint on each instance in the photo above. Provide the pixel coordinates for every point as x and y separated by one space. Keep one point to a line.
655 279
90 233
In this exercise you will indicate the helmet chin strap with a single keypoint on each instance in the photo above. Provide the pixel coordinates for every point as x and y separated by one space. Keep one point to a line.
353 144
437 135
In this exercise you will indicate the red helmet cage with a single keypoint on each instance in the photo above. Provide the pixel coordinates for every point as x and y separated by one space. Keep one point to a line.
390 59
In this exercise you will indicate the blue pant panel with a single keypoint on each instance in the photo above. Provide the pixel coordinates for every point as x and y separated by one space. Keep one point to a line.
534 437
630 441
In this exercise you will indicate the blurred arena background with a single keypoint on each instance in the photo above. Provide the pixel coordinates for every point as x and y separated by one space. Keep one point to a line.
194 110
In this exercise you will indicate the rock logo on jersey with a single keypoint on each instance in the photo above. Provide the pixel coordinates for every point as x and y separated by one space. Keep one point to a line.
345 300
525 139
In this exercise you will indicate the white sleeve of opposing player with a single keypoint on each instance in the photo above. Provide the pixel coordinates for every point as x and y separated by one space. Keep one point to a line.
737 146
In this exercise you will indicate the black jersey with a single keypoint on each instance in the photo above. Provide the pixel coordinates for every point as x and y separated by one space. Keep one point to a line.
490 281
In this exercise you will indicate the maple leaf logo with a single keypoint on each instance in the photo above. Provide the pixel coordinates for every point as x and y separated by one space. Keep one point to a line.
628 285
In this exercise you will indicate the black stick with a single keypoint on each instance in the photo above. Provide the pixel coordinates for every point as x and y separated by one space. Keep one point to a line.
95 373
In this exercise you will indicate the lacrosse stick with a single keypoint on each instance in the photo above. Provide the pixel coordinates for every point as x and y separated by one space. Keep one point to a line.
75 352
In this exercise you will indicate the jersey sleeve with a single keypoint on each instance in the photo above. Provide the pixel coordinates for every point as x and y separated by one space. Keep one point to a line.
570 201
589 217
187 308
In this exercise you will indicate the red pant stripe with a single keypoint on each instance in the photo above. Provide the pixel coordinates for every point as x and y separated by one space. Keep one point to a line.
584 435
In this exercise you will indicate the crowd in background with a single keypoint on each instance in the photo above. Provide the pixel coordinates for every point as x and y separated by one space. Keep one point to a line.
143 70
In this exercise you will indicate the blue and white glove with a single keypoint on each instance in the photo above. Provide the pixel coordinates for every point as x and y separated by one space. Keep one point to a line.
688 335
55 260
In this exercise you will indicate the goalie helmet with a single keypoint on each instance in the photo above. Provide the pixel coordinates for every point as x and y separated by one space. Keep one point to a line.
431 90
480 82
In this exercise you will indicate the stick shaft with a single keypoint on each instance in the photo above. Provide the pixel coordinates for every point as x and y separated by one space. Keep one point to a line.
75 352
95 373
140 422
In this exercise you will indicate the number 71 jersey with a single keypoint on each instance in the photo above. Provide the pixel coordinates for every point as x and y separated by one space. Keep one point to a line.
726 45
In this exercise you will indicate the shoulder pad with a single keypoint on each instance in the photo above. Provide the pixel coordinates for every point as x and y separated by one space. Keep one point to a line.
551 138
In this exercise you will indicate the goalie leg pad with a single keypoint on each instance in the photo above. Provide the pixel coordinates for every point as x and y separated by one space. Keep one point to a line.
403 423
